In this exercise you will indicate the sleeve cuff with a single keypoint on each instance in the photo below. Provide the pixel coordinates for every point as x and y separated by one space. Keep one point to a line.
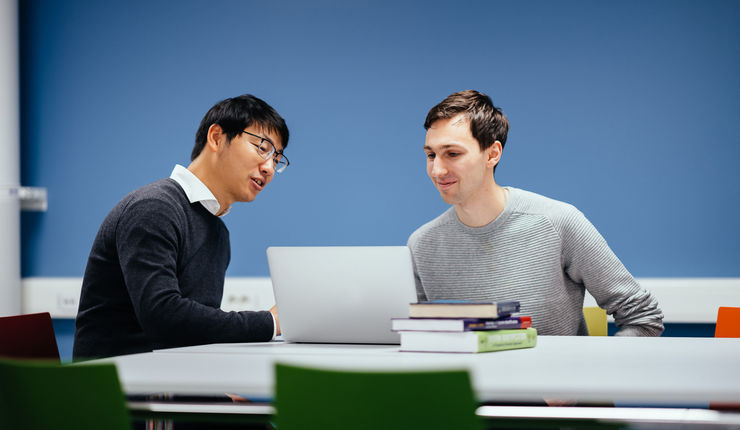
274 327
634 330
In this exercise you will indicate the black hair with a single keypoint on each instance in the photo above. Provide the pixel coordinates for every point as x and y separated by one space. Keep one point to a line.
237 113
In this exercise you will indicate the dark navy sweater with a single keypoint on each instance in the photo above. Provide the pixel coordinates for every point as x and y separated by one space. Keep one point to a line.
155 278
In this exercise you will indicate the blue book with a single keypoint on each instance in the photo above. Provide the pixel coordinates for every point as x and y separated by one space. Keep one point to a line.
462 309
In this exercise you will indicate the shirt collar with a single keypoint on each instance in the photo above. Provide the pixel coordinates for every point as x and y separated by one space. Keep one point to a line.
195 190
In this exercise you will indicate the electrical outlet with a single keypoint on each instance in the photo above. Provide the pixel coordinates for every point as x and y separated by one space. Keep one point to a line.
247 294
239 301
67 304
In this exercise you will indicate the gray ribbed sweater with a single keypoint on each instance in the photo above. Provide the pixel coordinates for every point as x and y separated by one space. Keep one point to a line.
541 252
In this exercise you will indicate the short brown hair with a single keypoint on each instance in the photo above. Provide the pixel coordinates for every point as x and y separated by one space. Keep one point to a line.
487 122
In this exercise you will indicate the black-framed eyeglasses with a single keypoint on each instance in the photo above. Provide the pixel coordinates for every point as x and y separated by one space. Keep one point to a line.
266 149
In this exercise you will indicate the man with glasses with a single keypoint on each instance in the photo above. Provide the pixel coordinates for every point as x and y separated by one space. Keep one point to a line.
155 274
503 243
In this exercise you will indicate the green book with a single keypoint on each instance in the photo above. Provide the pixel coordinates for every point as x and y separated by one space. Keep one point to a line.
468 341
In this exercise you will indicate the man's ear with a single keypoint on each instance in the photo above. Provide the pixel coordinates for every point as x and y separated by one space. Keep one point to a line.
494 154
216 138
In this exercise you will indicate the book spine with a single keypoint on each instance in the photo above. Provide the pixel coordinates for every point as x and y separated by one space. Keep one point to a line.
459 324
507 308
502 324
499 340
456 309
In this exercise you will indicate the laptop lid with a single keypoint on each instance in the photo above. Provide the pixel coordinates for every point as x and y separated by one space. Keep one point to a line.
341 294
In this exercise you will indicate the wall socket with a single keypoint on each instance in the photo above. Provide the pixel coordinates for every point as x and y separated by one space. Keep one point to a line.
247 294
67 302
61 296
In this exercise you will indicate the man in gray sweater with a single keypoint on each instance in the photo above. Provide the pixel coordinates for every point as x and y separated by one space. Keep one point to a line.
503 243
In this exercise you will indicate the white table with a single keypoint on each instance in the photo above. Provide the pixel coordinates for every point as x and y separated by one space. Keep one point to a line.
675 371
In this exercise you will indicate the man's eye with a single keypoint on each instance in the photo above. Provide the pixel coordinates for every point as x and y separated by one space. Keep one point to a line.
430 156
453 154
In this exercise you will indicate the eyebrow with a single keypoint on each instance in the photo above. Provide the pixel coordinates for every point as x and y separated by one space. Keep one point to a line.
277 151
274 145
267 139
445 146
262 133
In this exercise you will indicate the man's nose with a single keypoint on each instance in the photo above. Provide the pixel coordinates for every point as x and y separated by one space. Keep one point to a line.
268 166
438 168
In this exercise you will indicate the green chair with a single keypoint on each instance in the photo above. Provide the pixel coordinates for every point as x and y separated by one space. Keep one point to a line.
42 395
331 399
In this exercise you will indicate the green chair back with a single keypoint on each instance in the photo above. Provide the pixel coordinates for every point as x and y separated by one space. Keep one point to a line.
331 399
42 395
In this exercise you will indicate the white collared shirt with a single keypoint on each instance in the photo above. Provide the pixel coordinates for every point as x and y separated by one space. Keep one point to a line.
197 191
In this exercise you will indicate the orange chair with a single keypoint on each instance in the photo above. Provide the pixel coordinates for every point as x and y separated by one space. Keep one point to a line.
28 336
728 322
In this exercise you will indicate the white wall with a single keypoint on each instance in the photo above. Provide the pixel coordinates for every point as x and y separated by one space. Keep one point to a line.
683 300
10 296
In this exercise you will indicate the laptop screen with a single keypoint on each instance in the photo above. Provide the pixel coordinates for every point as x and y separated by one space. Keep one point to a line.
341 294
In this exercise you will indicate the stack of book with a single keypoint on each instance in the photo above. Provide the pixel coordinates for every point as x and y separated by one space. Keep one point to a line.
464 326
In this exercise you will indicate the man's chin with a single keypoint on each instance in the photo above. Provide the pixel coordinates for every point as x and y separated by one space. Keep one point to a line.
248 198
446 198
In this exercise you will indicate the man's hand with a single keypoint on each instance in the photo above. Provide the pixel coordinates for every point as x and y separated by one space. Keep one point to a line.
273 311
560 402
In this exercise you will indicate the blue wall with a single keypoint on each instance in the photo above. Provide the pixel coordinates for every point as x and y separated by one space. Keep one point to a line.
626 109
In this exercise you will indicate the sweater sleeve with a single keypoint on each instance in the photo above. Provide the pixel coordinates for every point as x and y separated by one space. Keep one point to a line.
588 260
148 240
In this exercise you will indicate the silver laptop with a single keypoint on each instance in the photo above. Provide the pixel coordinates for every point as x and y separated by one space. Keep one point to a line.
341 294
